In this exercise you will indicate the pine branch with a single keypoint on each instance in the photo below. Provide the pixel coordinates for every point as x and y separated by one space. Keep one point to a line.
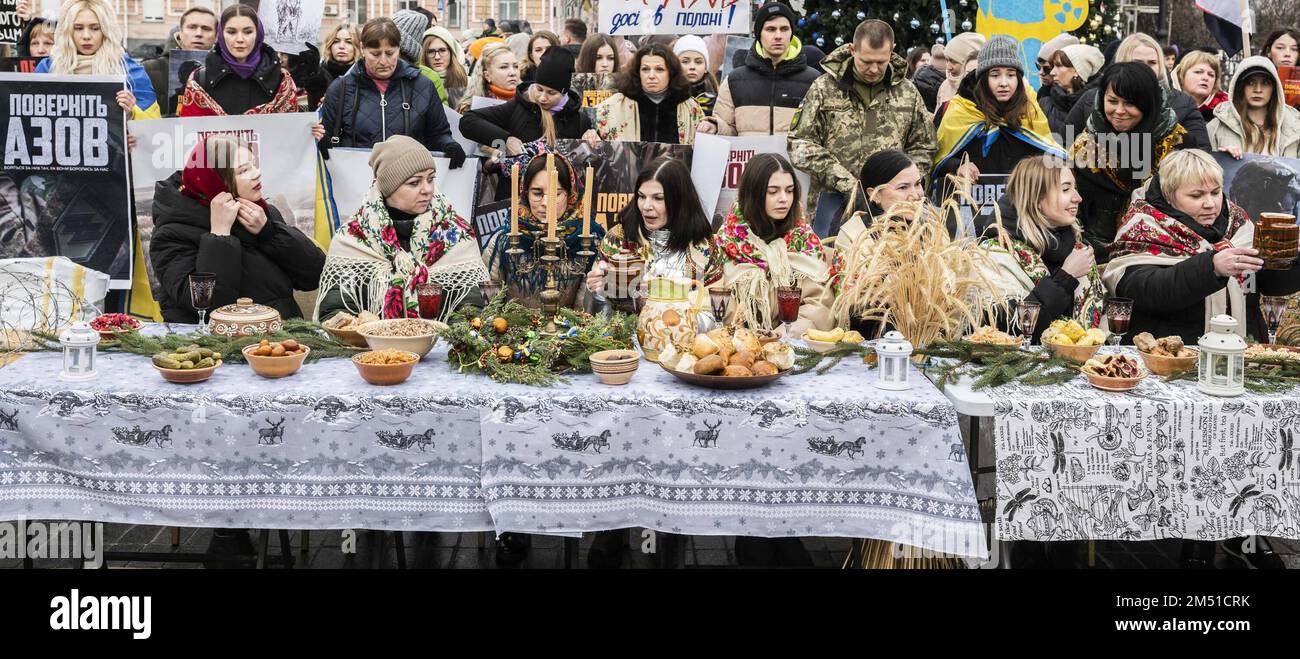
322 344
807 359
992 365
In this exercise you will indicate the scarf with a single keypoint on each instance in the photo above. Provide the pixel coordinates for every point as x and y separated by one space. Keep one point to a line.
963 123
246 68
1162 124
197 102
83 64
758 266
501 92
368 265
1154 233
202 184
1024 268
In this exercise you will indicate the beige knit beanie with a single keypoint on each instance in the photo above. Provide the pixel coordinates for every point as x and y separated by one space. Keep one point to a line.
396 159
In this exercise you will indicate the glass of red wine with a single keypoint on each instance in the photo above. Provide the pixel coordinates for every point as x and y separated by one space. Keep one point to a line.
788 301
1273 306
430 297
1027 319
202 285
1119 310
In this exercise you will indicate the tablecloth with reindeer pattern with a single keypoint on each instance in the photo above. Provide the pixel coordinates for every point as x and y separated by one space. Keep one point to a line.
1162 461
806 456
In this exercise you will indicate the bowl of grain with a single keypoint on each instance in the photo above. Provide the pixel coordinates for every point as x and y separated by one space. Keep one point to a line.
410 334
385 367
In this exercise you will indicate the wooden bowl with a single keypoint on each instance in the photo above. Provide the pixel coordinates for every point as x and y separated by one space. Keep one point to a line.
724 382
348 336
615 367
186 375
275 367
385 374
1162 365
1079 354
1115 384
420 345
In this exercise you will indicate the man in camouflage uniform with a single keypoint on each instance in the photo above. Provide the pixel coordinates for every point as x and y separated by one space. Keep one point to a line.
863 104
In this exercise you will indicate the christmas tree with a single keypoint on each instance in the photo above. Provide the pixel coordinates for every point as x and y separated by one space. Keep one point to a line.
829 24
1102 25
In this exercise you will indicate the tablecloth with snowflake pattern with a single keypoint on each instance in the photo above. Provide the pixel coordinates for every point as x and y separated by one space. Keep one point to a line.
1163 461
807 456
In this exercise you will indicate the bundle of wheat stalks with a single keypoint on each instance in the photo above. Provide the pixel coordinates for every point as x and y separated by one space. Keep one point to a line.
880 555
907 272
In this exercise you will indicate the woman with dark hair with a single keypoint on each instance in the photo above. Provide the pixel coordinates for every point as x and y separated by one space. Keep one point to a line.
212 216
384 96
1283 47
994 120
765 243
664 224
1072 68
599 54
538 44
242 75
1257 120
917 58
653 104
1130 111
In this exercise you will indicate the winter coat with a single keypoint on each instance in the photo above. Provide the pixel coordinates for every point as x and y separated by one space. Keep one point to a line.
1057 104
522 118
837 127
215 89
353 117
1226 129
267 267
638 119
927 81
964 133
759 98
1185 110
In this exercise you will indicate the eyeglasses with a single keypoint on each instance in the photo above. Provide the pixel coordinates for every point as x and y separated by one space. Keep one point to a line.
437 52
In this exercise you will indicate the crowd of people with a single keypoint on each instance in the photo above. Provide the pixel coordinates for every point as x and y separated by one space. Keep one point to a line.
864 121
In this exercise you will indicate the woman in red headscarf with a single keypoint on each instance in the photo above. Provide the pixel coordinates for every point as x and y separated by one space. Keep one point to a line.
212 217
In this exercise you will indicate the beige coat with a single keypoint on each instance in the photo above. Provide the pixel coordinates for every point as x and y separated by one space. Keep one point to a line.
1226 127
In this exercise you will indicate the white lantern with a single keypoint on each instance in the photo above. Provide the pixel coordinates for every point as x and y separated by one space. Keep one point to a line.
893 353
1222 369
79 343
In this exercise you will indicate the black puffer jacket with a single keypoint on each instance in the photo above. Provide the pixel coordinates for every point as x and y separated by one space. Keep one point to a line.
238 95
353 117
1056 292
521 118
758 98
1170 300
928 80
1185 110
659 120
1057 104
266 267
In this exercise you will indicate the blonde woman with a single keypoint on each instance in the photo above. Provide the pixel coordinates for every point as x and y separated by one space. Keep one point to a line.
496 76
1198 75
88 40
444 55
1038 247
1145 50
1257 119
341 50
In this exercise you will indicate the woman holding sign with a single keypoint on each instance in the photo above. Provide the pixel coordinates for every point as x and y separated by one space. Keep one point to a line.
406 234
653 103
496 76
1257 119
994 121
88 40
242 75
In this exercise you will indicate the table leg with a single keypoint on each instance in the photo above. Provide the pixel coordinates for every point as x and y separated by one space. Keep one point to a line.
1092 553
974 435
263 541
176 536
305 550
286 549
571 553
399 542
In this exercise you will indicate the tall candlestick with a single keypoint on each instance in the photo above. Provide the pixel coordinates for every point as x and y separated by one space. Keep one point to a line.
514 198
586 203
552 217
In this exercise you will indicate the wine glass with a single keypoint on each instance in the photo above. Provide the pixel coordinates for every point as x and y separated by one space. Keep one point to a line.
1027 318
429 295
1011 303
719 298
639 296
202 285
1119 310
788 301
488 289
1274 306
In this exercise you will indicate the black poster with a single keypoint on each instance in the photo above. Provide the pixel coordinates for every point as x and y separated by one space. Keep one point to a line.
10 27
616 165
63 183
19 64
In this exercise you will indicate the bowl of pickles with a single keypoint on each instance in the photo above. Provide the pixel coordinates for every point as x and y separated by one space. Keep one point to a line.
188 365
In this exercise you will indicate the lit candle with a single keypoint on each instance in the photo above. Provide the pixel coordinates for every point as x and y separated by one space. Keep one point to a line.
586 204
514 198
551 201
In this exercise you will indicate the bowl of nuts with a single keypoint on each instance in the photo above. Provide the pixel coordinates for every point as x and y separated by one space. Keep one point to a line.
410 334
385 367
276 359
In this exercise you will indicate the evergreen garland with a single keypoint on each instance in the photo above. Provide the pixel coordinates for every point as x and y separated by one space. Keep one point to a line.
995 365
322 344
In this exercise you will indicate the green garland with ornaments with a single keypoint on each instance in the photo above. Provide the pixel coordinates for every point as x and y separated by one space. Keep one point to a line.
507 341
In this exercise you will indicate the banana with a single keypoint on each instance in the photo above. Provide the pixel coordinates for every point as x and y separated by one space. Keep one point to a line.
832 336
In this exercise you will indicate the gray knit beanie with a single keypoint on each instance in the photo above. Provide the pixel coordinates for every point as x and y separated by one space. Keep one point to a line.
1001 50
412 25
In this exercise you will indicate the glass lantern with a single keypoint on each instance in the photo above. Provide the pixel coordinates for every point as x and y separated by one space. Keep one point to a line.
893 353
1222 367
78 343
